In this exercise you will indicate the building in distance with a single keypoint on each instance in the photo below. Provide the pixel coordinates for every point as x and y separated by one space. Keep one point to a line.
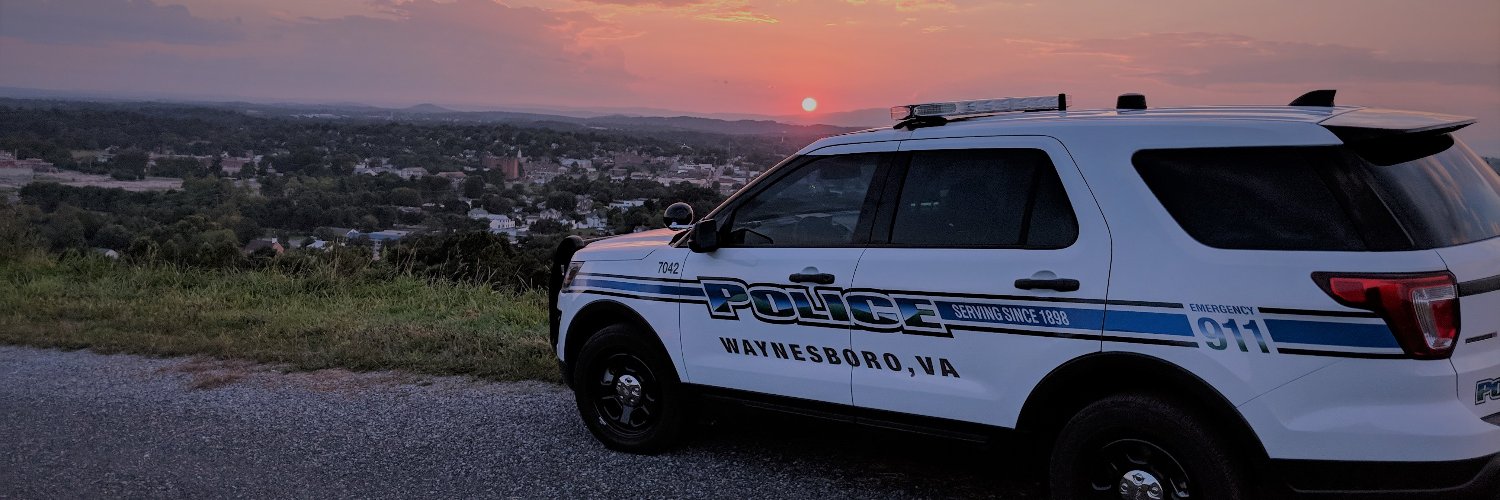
510 166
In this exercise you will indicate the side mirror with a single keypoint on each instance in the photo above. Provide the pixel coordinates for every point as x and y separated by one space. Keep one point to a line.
679 216
705 237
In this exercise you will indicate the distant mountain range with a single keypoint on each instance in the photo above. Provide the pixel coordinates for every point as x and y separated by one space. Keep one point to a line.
645 119
860 118
428 108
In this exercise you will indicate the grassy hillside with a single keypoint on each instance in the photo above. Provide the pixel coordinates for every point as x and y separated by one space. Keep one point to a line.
310 321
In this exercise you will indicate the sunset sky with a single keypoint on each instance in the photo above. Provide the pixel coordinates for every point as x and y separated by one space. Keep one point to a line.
727 56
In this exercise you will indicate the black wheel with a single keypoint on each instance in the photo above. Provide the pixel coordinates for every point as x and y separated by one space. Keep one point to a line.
1136 446
627 392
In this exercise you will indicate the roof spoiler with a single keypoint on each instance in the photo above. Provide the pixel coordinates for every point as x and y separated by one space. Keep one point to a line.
1368 123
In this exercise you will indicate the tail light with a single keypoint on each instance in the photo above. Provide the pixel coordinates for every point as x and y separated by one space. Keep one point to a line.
1421 309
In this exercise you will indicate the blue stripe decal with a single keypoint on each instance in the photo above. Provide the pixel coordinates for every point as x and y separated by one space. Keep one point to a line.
1147 322
1331 334
1005 314
642 287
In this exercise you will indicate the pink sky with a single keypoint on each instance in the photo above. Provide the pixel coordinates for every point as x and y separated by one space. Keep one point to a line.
711 56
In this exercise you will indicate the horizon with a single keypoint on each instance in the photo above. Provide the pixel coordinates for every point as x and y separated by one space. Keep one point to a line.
712 58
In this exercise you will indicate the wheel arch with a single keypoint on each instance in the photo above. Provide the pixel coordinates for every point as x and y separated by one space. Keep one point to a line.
1080 381
594 317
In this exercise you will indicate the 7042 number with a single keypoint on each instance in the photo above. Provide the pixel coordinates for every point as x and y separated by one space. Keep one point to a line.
1219 340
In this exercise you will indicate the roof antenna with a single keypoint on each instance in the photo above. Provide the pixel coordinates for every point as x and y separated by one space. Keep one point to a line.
1322 98
1130 102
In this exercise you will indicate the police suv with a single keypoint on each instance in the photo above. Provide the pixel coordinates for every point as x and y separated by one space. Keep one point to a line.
1207 302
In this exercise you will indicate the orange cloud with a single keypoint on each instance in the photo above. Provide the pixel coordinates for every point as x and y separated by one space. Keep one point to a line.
730 11
911 5
654 3
739 16
915 5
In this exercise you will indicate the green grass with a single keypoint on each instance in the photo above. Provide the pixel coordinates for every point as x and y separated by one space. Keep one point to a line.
310 322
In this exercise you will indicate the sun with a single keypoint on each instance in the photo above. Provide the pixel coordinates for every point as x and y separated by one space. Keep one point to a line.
809 104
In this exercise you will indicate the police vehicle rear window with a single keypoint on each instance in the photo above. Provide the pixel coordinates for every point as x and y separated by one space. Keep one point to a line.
1399 194
1442 192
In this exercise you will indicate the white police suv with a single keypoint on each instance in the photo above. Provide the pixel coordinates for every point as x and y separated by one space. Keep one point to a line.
1215 302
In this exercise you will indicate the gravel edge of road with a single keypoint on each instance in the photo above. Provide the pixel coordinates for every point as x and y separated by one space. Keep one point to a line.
85 424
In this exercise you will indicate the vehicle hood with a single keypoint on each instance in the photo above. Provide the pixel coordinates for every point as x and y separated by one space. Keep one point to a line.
626 247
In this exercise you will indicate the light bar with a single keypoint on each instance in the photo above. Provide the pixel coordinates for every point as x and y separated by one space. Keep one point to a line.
981 106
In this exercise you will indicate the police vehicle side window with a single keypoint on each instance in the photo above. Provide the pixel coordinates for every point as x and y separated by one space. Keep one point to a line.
1398 193
1008 198
818 204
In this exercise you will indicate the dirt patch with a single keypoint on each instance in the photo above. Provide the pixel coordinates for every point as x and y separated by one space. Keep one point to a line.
214 380
209 373
80 179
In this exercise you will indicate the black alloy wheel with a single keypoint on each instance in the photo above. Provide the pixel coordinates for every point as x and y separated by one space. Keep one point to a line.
626 395
627 391
1133 468
1143 447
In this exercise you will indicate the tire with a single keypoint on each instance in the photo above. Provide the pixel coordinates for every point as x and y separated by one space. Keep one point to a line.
1121 445
627 392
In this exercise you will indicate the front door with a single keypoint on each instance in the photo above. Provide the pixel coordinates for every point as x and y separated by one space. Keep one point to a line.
774 322
990 271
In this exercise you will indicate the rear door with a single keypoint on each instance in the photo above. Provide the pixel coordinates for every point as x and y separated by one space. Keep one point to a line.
987 269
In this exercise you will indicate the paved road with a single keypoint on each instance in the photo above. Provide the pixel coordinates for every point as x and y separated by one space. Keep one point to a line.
84 425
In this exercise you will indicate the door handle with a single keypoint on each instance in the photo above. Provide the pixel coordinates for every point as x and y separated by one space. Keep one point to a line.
1059 284
815 278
